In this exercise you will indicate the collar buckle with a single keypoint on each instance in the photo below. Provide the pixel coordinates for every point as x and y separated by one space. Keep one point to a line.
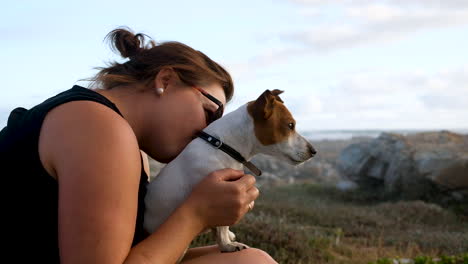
215 142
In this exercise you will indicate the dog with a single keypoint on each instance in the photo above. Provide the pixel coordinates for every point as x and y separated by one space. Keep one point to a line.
262 126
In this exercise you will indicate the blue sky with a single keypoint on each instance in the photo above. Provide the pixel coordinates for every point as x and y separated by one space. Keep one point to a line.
360 64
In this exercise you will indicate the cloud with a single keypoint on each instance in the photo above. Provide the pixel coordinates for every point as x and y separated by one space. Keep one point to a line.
248 70
344 24
389 100
455 4
354 24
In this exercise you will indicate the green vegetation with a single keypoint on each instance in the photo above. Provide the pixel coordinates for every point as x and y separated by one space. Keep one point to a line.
306 223
460 259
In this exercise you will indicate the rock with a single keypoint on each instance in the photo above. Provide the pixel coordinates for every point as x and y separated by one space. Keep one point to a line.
346 185
411 165
404 261
310 171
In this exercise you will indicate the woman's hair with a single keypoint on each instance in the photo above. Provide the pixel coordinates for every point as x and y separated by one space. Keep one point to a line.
147 58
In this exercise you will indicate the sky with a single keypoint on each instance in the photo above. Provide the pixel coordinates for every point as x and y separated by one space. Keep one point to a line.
395 64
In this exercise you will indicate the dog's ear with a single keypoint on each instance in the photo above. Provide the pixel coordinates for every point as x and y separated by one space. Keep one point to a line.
263 106
276 93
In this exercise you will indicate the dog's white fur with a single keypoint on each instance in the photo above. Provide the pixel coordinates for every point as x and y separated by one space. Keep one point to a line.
176 180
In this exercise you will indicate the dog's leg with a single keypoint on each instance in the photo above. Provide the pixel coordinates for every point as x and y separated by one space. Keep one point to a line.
225 244
232 236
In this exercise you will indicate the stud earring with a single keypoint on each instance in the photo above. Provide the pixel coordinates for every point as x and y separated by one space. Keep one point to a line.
159 91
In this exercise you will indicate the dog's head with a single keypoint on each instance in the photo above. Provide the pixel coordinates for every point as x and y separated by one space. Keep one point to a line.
275 129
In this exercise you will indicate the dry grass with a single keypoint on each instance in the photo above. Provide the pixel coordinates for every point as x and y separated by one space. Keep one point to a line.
313 224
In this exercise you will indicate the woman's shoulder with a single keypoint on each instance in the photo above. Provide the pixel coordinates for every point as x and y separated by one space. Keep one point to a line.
83 112
80 129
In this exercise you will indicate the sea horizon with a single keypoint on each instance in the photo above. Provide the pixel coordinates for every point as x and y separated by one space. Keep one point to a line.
344 134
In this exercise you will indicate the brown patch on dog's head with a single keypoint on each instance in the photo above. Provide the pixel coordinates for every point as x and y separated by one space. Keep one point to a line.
273 122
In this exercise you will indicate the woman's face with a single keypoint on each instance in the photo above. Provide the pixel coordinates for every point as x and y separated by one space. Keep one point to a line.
178 114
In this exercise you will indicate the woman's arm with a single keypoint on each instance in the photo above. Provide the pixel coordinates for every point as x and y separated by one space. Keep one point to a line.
233 191
169 242
98 167
97 161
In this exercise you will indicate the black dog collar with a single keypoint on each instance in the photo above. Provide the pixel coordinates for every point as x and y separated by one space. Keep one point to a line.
215 142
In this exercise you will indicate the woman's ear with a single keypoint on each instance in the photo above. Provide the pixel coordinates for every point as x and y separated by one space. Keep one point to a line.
163 78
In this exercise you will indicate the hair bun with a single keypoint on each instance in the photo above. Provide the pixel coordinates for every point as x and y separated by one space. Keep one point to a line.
127 43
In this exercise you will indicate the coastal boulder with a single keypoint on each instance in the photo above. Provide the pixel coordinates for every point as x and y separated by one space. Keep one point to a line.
412 166
311 171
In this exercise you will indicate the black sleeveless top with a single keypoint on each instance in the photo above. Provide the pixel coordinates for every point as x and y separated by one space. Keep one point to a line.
31 232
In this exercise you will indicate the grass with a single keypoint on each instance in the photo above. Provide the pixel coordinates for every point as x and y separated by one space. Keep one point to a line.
458 259
306 223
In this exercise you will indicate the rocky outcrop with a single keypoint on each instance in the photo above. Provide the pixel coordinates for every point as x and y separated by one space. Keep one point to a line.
275 171
413 165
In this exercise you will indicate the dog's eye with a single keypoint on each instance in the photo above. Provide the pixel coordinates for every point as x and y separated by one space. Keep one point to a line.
291 126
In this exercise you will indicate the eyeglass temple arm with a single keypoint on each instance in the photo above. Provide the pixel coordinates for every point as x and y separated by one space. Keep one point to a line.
212 98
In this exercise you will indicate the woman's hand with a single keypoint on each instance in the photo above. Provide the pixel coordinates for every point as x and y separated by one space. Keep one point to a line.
222 198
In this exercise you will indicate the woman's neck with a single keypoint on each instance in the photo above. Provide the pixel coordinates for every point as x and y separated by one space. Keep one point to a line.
124 98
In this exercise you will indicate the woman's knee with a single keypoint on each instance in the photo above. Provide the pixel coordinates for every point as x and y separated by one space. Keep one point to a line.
255 255
245 256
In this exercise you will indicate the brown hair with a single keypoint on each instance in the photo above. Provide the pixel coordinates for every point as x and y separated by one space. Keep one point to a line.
146 59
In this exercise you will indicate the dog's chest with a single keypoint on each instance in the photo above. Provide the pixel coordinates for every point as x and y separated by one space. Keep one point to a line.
197 161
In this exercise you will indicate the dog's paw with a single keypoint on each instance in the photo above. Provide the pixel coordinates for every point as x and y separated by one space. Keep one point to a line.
233 246
232 236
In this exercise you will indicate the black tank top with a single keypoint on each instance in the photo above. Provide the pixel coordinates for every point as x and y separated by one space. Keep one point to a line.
31 232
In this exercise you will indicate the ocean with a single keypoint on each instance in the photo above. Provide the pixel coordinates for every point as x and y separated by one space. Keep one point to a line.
372 133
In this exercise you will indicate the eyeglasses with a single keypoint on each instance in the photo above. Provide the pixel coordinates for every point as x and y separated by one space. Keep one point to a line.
212 116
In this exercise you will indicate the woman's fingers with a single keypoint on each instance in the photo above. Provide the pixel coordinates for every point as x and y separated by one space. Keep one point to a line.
247 181
223 197
251 205
228 174
247 184
253 193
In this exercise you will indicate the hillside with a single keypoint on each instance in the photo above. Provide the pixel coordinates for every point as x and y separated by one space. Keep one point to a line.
306 223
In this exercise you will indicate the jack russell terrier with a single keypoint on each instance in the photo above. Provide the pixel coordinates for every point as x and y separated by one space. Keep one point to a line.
262 126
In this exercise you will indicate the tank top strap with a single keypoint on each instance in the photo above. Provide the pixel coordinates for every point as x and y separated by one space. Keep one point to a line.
78 93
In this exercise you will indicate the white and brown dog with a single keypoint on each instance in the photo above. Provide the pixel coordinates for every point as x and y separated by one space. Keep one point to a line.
262 126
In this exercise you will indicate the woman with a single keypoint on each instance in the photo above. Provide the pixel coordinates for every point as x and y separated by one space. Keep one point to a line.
77 168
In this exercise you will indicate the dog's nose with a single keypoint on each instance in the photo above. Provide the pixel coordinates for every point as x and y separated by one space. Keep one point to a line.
312 150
